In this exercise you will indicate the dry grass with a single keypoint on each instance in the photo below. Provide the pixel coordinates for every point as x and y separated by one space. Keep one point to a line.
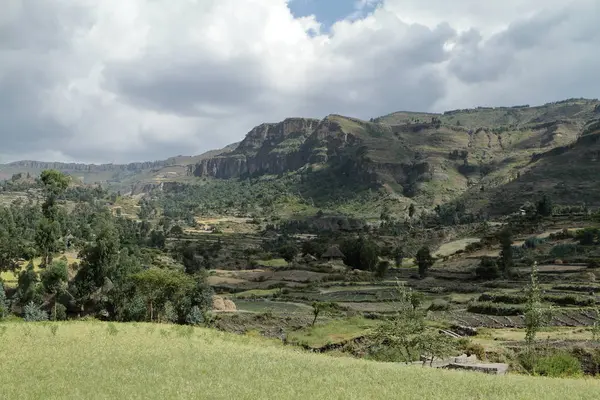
141 361
447 249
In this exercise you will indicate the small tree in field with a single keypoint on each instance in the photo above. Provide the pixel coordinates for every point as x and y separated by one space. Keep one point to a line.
536 314
321 307
596 326
424 261
506 255
407 331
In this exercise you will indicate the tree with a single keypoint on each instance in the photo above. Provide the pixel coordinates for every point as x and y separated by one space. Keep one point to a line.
424 261
361 253
47 237
536 315
433 344
99 260
596 326
176 231
288 251
399 256
402 331
506 253
4 309
54 280
382 269
320 307
49 230
27 285
545 206
487 268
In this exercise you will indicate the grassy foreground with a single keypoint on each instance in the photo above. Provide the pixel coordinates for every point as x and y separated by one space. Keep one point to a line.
93 360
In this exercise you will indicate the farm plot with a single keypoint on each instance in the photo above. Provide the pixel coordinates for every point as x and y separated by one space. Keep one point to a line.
555 269
568 318
276 307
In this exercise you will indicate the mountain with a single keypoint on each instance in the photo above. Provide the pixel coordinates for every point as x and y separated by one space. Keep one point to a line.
431 158
493 158
114 174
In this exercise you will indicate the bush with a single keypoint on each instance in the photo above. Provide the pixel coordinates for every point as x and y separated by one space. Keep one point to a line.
563 250
561 365
169 312
439 305
473 348
134 310
59 313
562 300
570 300
489 308
502 298
33 313
4 309
488 269
532 243
195 316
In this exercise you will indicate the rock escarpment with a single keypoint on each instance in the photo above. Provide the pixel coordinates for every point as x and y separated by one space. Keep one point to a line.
277 148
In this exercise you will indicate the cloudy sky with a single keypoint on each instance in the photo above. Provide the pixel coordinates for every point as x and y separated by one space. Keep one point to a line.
120 81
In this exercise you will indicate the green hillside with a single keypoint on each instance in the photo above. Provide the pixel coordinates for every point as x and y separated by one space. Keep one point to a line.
95 360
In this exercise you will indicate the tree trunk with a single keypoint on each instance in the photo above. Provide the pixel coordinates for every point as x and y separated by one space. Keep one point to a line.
151 311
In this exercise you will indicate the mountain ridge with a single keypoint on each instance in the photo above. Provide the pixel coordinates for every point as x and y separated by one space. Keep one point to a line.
428 158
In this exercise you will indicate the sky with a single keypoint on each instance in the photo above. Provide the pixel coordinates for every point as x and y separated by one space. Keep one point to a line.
122 81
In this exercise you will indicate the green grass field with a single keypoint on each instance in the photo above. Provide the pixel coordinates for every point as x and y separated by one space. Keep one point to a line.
84 360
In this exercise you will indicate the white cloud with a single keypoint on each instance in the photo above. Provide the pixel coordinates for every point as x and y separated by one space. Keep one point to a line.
145 79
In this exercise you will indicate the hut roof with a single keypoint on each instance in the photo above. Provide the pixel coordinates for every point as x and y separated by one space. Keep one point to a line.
333 252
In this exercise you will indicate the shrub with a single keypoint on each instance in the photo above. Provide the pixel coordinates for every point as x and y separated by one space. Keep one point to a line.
58 313
502 298
488 269
33 313
195 316
563 250
559 365
495 308
570 300
169 312
439 305
4 309
532 243
474 348
382 269
134 310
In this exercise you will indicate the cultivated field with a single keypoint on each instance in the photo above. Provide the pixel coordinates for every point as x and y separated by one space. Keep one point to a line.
94 360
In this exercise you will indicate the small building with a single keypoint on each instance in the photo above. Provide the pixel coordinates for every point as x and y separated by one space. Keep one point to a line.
333 254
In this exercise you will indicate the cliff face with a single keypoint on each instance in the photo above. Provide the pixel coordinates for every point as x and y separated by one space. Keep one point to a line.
266 149
430 157
77 167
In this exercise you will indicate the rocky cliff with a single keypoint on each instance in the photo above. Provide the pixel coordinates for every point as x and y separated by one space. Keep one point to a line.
433 157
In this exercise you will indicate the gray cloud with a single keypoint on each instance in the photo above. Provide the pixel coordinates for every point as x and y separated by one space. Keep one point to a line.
123 81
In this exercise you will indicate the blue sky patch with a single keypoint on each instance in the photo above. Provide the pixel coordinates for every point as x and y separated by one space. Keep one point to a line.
330 11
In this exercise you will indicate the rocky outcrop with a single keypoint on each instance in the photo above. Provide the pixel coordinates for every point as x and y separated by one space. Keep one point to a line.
77 167
281 147
151 187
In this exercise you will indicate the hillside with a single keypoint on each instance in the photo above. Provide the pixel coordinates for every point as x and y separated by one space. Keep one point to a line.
431 158
96 360
114 174
509 154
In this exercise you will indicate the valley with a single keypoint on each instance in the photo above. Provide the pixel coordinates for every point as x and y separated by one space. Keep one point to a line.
406 239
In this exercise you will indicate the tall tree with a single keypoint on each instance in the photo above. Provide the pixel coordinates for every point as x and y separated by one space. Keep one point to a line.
506 254
49 230
536 315
424 261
